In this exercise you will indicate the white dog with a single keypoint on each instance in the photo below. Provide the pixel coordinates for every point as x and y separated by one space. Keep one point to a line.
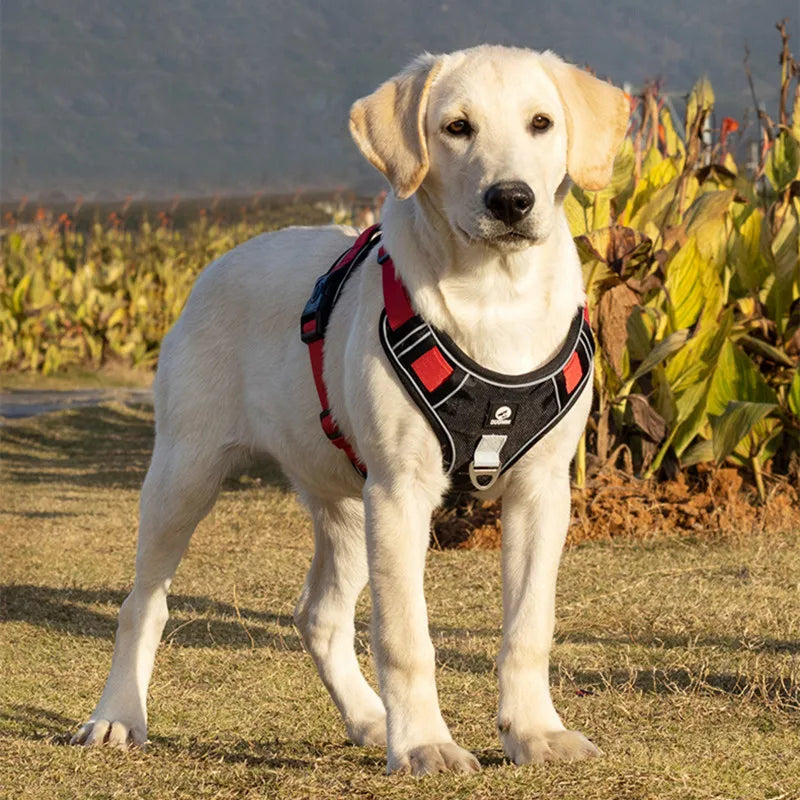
477 146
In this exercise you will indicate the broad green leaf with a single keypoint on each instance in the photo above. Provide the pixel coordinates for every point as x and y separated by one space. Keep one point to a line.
640 334
656 187
576 214
705 221
18 297
699 452
665 348
736 377
786 270
600 214
745 251
695 361
623 169
707 208
796 116
684 285
701 98
766 349
784 249
690 415
794 394
672 142
691 373
783 161
736 421
651 162
687 403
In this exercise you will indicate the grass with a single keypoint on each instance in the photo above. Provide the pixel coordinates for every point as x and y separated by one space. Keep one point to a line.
680 658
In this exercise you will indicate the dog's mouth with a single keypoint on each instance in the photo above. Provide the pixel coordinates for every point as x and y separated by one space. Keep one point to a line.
509 238
513 237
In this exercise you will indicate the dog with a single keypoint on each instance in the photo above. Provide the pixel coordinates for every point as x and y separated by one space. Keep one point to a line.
479 148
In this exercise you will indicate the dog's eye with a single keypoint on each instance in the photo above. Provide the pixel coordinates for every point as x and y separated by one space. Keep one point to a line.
459 127
541 122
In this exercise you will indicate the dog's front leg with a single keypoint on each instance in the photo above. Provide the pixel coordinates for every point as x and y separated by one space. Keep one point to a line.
536 509
398 525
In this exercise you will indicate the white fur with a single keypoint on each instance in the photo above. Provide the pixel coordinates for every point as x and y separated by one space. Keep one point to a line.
234 379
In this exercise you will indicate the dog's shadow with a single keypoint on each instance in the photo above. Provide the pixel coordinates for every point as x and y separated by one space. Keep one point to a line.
195 621
102 447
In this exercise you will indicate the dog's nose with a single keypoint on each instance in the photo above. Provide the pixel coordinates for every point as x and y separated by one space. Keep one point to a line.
509 201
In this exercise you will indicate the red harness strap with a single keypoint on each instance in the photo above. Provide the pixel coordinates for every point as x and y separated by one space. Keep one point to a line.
431 367
395 298
316 342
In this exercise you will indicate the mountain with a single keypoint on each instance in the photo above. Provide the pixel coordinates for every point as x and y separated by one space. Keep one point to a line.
211 96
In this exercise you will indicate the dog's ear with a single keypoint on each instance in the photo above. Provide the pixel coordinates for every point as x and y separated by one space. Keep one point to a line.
597 119
389 126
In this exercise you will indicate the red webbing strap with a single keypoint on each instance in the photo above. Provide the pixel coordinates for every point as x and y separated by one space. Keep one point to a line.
330 428
359 243
317 358
395 299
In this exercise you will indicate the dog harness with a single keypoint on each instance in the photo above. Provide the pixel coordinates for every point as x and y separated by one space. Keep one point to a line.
485 421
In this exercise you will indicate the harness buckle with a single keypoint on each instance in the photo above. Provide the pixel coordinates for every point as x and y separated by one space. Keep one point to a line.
485 466
311 323
477 474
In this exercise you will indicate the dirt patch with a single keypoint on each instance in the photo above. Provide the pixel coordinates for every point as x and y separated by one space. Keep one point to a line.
712 501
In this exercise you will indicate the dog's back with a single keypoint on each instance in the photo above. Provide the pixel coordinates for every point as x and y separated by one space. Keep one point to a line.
234 362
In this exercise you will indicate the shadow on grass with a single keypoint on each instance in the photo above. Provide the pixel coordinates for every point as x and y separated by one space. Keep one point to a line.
674 641
773 691
36 724
194 621
100 447
40 724
296 754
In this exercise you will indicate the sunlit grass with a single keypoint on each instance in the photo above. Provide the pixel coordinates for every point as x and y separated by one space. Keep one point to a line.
679 658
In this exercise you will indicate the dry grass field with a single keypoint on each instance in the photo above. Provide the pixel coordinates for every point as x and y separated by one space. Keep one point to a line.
680 657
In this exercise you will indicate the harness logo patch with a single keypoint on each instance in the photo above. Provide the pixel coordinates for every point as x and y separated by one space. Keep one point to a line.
500 415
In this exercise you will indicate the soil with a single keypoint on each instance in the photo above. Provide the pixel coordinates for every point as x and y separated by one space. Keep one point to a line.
709 502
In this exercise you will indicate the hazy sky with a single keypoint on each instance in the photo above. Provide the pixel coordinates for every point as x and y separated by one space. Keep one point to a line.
199 96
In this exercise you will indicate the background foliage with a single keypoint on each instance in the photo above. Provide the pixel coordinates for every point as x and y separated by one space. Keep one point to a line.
691 265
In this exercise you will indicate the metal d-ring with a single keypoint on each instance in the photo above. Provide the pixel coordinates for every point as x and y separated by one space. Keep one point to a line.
476 473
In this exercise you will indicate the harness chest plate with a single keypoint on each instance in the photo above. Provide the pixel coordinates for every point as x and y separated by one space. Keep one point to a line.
485 421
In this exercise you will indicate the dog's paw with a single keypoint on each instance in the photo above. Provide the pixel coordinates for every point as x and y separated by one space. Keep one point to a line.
547 746
368 732
110 733
428 759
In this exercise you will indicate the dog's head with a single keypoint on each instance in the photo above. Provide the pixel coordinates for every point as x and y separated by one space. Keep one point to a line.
490 134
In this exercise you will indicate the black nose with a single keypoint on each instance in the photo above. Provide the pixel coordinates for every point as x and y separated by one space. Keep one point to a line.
509 201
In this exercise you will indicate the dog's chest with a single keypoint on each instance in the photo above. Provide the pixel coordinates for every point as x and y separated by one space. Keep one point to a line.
511 337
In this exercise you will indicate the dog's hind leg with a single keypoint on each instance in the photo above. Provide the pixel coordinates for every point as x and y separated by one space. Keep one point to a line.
180 488
325 612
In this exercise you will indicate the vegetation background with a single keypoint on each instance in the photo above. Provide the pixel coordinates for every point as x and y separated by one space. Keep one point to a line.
691 265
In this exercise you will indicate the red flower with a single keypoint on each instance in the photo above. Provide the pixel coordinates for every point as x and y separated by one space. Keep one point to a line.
729 126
